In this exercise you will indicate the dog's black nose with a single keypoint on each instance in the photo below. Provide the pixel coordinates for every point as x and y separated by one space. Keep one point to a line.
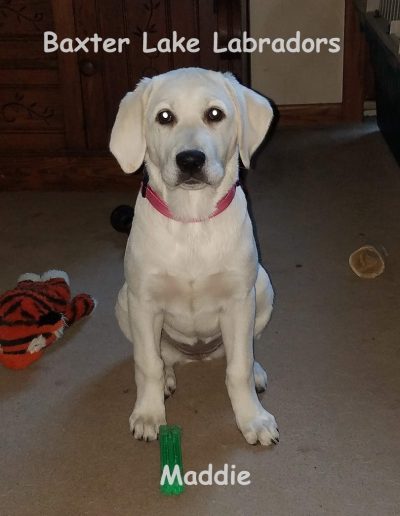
190 160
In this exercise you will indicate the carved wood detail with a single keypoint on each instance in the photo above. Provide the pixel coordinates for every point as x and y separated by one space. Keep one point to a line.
24 17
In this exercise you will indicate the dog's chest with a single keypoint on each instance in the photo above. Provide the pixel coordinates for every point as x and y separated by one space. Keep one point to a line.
186 294
191 269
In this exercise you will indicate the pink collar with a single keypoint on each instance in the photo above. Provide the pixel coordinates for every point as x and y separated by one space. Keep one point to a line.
162 207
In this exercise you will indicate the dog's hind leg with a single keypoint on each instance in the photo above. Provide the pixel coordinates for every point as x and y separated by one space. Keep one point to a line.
264 301
121 312
260 377
170 356
264 305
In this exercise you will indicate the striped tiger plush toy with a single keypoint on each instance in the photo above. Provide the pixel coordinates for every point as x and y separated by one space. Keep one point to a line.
34 314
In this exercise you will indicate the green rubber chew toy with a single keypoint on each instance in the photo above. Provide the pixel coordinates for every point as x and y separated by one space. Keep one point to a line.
171 460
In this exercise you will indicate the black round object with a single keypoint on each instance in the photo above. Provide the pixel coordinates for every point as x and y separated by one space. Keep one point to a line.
121 218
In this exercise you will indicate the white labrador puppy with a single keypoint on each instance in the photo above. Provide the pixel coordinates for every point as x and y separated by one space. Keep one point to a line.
192 274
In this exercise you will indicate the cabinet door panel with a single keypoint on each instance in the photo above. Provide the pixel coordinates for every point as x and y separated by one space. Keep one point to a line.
31 111
33 108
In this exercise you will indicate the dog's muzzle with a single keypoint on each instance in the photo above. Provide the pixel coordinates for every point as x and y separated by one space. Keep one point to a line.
191 167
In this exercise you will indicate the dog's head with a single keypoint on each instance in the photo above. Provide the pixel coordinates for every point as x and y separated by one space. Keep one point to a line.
188 124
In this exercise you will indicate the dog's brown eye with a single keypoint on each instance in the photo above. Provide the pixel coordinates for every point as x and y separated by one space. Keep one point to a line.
165 117
214 114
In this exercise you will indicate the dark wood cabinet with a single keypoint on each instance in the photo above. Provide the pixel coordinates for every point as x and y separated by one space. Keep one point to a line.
57 109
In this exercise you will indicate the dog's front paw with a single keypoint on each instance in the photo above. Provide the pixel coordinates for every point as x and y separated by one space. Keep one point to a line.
260 428
145 425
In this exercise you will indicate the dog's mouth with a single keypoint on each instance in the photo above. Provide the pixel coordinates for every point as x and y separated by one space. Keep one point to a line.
192 184
192 181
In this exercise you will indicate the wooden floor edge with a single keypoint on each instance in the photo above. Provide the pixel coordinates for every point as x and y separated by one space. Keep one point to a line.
307 115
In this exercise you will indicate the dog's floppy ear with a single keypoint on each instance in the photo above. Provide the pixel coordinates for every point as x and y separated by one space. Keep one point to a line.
255 115
127 141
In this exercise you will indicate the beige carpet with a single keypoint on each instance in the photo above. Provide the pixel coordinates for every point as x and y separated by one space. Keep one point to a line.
332 352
